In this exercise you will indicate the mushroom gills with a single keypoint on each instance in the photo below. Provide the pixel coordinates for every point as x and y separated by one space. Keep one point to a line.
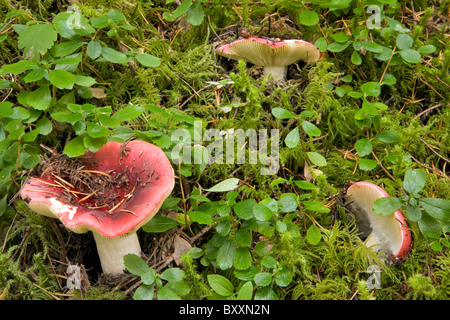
372 232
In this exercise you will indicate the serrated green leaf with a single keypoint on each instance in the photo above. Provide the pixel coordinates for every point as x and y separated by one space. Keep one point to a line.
128 113
179 11
242 259
225 255
414 180
363 147
36 40
437 208
97 131
263 279
388 136
18 67
137 266
262 213
200 217
404 41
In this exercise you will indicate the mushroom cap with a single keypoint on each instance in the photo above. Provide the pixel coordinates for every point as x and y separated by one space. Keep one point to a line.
265 52
390 232
151 180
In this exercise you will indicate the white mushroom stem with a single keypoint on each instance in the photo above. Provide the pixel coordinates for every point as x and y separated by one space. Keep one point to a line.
278 73
112 250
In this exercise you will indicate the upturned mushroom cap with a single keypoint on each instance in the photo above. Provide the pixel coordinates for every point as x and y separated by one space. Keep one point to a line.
389 234
269 53
151 180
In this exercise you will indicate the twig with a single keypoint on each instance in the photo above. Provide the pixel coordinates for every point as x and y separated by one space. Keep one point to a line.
384 169
429 147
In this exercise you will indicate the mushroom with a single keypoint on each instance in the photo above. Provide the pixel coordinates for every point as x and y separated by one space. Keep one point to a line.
387 235
137 178
273 55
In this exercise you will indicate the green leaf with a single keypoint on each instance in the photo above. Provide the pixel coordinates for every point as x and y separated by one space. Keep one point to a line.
263 279
144 292
221 285
340 37
317 159
388 136
61 79
36 40
429 227
305 185
437 208
200 217
262 213
372 46
308 18
427 49
316 206
173 274
283 277
113 55
97 131
137 266
313 235
195 14
287 203
225 255
18 67
404 41
65 48
356 58
159 224
387 205
148 60
75 147
338 47
413 212
40 98
164 293
311 129
414 180
34 75
128 113
281 113
179 11
371 89
224 186
242 259
94 49
363 147
293 138
366 164
243 237
245 292
411 56
244 209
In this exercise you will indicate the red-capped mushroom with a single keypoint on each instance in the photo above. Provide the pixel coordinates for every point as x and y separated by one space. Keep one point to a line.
144 178
385 234
273 55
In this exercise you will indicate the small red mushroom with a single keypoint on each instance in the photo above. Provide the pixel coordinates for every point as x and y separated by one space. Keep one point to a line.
148 179
273 55
384 234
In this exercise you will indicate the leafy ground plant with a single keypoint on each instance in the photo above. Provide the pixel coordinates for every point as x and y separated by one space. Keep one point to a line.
375 107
